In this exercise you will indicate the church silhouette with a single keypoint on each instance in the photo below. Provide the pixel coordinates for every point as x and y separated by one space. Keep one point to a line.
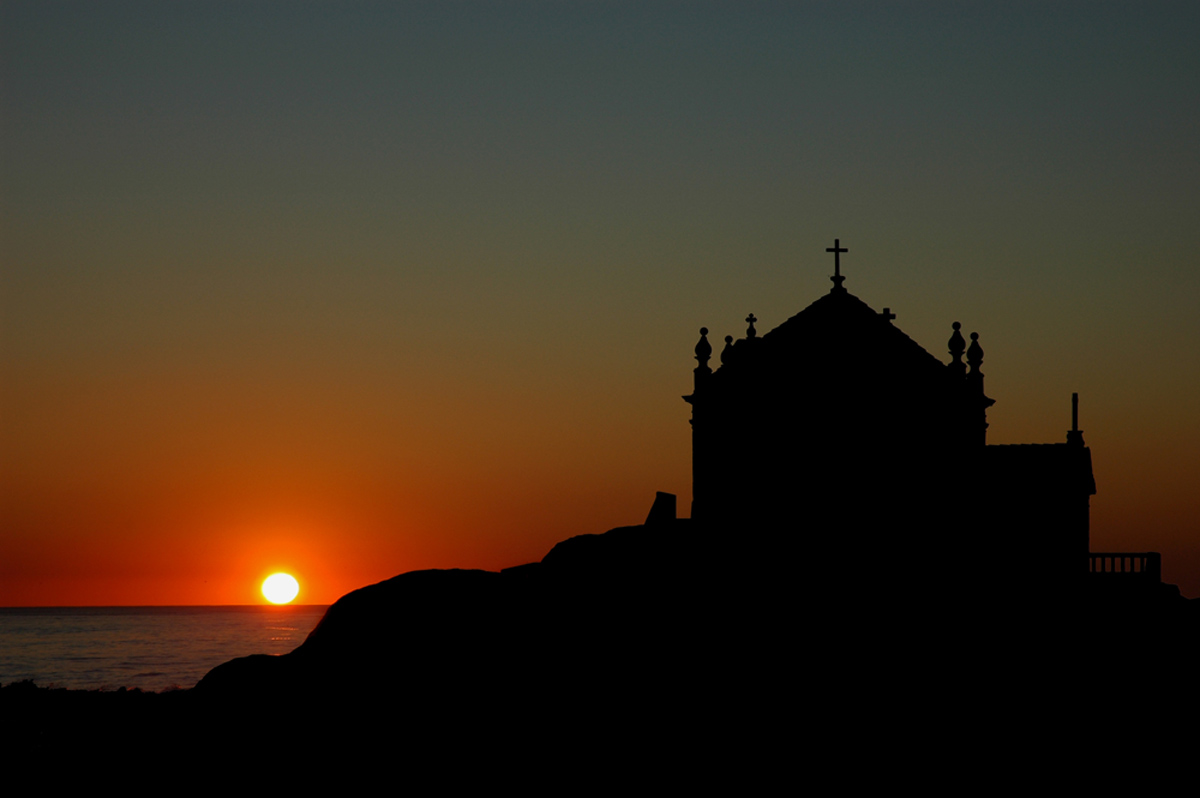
839 443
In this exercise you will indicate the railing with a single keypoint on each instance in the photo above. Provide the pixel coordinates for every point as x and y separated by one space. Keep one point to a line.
1143 565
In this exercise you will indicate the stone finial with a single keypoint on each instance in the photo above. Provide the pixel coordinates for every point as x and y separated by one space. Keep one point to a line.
750 331
727 352
975 353
957 346
703 350
1075 436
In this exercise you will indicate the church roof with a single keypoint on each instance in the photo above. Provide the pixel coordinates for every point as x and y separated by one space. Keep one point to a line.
842 313
842 330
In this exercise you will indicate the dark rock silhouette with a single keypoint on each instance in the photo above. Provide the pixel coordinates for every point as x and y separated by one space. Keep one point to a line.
643 647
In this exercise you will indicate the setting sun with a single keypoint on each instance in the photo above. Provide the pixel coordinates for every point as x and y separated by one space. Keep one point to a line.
280 588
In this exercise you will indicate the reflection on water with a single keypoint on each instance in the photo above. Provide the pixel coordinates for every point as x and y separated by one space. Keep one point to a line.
154 648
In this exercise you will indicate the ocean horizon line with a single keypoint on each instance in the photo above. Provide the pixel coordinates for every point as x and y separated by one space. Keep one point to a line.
162 607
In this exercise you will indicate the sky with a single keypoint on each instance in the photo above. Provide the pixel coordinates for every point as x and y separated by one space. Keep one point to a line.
352 289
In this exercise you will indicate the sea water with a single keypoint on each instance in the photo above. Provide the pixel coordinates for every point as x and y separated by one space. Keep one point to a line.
152 648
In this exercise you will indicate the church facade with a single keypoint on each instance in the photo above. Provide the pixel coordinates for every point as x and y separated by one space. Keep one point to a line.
840 438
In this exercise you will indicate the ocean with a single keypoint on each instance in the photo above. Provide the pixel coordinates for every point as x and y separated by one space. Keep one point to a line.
152 648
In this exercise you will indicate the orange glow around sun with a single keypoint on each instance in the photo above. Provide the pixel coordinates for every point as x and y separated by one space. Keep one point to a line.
280 588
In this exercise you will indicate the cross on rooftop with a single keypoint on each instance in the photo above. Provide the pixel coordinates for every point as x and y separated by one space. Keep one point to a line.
837 249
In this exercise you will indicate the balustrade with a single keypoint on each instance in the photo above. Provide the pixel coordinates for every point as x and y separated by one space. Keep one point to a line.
1140 565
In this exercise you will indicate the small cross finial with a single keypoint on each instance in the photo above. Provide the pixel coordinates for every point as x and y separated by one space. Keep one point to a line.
837 249
888 315
751 332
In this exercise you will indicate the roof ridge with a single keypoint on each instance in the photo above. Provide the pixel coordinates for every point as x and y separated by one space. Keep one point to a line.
844 301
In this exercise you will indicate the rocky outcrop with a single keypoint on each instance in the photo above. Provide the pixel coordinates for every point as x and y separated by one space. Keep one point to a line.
463 633
643 611
631 645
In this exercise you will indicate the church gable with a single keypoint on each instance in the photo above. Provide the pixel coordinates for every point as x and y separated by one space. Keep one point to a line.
814 401
842 329
844 362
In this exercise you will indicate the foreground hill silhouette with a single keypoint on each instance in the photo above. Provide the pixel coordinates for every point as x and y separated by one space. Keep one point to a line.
663 642
657 646
666 608
661 649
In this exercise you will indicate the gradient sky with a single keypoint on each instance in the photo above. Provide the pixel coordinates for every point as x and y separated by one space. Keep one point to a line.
351 289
